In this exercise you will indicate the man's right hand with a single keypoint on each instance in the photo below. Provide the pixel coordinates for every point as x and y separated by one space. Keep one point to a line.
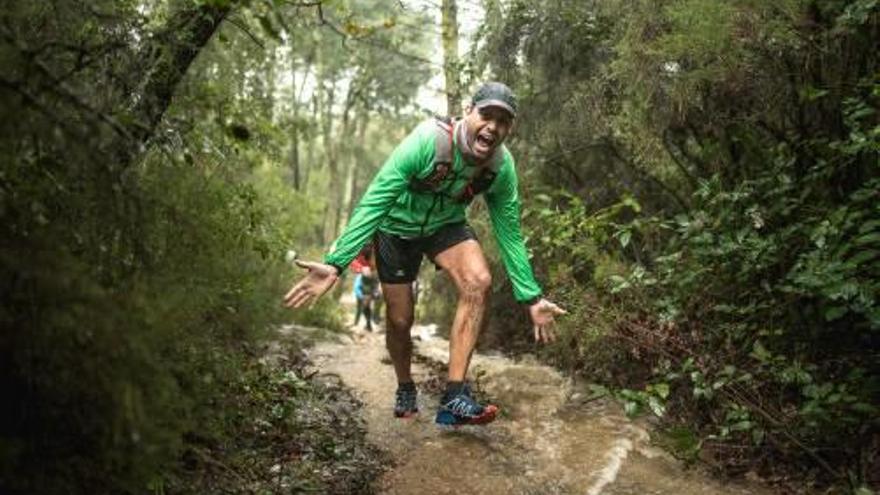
320 279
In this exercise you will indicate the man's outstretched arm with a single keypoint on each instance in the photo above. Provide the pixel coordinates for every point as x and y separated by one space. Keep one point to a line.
319 279
503 201
392 180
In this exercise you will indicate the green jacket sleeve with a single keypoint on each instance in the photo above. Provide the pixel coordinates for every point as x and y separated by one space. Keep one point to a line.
503 201
392 180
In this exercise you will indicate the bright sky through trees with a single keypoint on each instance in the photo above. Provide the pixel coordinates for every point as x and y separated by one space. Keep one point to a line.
470 14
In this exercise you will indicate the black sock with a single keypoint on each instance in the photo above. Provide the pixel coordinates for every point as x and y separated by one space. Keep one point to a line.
453 389
406 386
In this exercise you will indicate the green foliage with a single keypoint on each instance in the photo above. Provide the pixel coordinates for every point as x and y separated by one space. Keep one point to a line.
711 226
137 277
122 368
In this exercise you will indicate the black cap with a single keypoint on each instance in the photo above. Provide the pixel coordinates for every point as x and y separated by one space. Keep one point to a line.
495 94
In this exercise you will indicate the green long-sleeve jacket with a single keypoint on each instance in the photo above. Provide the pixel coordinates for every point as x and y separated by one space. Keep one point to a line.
390 205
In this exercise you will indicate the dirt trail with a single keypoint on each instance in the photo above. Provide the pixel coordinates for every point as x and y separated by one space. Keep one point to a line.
549 440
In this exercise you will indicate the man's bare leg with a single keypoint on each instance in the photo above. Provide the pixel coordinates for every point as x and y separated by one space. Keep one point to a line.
469 270
398 321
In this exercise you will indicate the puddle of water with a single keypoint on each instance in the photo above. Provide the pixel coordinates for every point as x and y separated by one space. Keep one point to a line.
541 444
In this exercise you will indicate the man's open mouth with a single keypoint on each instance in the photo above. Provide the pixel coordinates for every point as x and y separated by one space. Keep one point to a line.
485 141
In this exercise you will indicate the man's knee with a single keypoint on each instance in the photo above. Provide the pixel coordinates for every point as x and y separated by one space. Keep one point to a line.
399 323
476 284
397 336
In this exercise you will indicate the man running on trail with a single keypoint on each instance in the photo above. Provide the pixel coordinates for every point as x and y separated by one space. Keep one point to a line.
366 289
416 206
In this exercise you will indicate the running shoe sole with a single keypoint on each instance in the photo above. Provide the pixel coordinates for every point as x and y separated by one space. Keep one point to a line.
446 418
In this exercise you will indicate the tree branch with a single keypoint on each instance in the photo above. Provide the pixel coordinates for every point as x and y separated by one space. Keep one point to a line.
305 4
235 22
57 87
323 21
673 150
35 103
651 178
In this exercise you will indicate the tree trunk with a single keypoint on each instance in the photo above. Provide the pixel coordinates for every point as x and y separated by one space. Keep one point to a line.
331 157
345 133
165 60
294 134
356 152
360 151
311 144
450 58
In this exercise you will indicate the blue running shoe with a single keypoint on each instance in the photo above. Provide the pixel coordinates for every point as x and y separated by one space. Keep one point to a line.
462 409
405 402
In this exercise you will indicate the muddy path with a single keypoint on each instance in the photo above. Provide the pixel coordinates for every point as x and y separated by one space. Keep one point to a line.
548 440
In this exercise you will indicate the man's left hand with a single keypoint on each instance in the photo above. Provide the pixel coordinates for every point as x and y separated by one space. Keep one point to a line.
543 313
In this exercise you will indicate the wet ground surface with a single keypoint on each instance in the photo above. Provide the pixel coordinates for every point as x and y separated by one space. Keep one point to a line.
548 440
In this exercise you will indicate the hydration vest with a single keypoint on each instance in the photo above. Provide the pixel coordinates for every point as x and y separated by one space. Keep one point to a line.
444 156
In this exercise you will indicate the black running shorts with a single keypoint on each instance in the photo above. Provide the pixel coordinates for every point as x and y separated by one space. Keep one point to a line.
398 259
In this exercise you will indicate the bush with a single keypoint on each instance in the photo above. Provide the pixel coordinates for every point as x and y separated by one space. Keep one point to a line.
109 363
711 226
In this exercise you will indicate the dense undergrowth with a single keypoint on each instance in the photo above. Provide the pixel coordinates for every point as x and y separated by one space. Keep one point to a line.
138 278
126 353
285 430
702 182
